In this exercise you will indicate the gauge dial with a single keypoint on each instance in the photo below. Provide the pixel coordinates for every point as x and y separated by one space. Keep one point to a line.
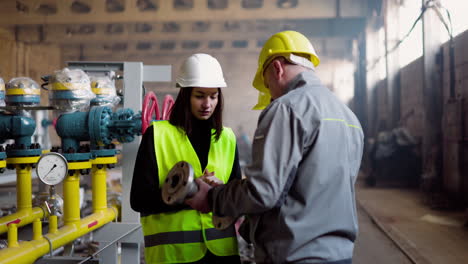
52 168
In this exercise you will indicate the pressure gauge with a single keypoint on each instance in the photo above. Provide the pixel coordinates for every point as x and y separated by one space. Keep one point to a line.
52 168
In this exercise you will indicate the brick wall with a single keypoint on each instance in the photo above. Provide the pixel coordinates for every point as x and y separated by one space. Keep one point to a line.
411 99
30 60
454 119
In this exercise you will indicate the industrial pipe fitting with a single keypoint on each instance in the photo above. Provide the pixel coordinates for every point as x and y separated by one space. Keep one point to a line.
180 185
100 126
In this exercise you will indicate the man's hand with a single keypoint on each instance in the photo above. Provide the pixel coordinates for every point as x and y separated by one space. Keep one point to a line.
200 200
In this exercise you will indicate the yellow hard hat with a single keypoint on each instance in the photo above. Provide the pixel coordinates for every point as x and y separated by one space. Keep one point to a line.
281 44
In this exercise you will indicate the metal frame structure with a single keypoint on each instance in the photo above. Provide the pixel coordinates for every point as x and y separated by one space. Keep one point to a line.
127 232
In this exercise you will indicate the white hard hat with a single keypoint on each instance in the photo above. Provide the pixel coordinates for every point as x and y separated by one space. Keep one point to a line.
200 70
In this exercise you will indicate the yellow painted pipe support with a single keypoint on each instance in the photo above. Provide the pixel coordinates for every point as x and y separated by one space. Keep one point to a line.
30 251
23 186
25 214
12 236
37 229
71 199
99 188
53 224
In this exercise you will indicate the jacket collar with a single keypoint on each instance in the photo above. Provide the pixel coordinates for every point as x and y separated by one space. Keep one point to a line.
302 79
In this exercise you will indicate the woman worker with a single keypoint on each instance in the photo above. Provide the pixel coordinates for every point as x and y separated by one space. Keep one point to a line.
193 133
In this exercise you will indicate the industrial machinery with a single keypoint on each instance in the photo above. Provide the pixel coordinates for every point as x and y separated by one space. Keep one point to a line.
103 86
89 131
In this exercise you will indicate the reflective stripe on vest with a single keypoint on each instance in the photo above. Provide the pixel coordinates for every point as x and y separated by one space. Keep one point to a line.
184 236
181 237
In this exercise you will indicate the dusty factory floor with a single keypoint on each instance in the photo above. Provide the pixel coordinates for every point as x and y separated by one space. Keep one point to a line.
397 226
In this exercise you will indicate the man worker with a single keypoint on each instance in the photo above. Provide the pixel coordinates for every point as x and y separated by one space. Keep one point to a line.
298 195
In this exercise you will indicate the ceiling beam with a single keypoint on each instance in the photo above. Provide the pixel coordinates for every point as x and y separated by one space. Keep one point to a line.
326 47
127 11
186 31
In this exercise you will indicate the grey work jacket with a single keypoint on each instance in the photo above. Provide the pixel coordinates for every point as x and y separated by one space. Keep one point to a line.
299 194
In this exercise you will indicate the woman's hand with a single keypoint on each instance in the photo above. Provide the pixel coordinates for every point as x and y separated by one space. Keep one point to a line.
210 178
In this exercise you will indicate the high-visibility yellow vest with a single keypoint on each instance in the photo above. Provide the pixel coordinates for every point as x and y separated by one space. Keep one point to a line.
184 236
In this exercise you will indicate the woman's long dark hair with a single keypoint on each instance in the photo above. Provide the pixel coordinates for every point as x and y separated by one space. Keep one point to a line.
181 113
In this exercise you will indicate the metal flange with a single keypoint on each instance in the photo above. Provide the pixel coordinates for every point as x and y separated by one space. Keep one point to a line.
179 184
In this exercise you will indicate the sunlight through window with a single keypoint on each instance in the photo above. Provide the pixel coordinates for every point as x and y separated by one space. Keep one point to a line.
457 10
412 47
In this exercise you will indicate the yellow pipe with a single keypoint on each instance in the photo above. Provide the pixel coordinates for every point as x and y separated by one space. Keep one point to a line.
23 186
21 218
30 251
12 236
25 214
71 199
53 224
99 188
37 229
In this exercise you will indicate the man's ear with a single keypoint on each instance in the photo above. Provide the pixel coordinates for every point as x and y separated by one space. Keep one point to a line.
278 69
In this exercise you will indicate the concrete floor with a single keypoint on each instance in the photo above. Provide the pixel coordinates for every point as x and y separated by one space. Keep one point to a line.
425 236
373 246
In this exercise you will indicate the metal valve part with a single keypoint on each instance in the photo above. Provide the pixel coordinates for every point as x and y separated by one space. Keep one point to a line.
180 184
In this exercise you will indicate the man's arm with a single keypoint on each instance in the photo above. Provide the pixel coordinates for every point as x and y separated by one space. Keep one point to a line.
277 151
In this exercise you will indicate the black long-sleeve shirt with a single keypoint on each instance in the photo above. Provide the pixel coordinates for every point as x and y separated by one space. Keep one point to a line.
145 193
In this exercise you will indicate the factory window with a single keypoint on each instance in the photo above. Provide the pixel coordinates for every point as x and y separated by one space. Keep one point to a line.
114 29
215 44
85 29
143 46
457 11
171 27
190 44
183 4
240 44
47 9
80 7
147 5
376 67
252 4
286 3
21 7
200 26
412 47
231 26
260 43
217 4
115 6
167 45
143 27
116 47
